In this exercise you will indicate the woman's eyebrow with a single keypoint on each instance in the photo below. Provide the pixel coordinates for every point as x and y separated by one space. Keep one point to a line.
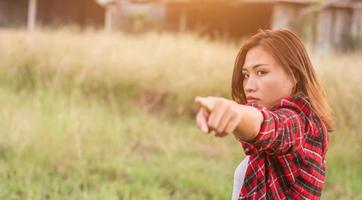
254 67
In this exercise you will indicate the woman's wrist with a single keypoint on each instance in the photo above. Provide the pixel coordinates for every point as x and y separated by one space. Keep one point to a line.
249 125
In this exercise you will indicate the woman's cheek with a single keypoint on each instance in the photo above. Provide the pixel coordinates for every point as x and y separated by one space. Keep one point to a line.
270 89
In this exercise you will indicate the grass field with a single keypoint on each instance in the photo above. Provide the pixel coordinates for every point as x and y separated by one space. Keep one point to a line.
90 115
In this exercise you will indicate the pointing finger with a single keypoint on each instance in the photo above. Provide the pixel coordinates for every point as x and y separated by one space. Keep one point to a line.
206 102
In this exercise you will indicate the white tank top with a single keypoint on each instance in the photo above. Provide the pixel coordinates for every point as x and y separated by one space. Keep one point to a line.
239 176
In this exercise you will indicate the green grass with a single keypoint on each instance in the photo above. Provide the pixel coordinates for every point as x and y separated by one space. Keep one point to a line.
72 147
89 115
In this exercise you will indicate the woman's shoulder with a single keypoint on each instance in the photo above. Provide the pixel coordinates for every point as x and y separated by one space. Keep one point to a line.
291 104
298 103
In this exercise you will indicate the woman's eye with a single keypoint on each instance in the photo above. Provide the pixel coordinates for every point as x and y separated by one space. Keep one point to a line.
260 73
245 76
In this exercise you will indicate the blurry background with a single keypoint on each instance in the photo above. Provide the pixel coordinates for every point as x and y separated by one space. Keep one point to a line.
97 96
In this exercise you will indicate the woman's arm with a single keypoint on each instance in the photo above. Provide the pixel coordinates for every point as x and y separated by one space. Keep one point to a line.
281 131
256 127
250 122
226 116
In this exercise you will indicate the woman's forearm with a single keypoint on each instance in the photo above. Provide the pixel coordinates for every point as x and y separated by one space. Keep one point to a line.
249 126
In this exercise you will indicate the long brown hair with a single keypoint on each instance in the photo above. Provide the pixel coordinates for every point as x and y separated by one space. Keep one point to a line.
290 52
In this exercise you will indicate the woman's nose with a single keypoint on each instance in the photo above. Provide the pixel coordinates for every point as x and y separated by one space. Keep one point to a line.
250 85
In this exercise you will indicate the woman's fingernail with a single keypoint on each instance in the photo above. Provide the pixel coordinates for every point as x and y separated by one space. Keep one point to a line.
204 128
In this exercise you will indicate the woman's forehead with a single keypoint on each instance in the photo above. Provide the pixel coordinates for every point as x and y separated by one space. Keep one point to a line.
258 57
255 66
257 53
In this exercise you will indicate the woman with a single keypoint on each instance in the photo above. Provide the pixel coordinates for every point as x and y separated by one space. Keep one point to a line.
279 114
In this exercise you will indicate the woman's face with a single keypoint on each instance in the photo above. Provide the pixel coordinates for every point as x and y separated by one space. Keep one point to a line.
264 78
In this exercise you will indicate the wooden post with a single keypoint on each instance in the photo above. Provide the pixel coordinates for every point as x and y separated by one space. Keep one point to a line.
357 27
282 16
342 29
324 36
108 18
109 6
32 15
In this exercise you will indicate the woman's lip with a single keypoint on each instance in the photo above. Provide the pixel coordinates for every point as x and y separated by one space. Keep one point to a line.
252 100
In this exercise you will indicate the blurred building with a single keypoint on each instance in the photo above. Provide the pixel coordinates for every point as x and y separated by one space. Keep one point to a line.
328 24
13 13
331 25
338 25
16 13
231 18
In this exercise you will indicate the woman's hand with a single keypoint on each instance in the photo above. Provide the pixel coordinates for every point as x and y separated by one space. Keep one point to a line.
218 114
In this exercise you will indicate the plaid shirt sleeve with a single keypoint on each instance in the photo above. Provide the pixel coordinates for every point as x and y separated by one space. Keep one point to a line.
280 132
287 157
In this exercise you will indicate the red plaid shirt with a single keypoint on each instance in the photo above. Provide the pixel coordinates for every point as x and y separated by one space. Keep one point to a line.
287 157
